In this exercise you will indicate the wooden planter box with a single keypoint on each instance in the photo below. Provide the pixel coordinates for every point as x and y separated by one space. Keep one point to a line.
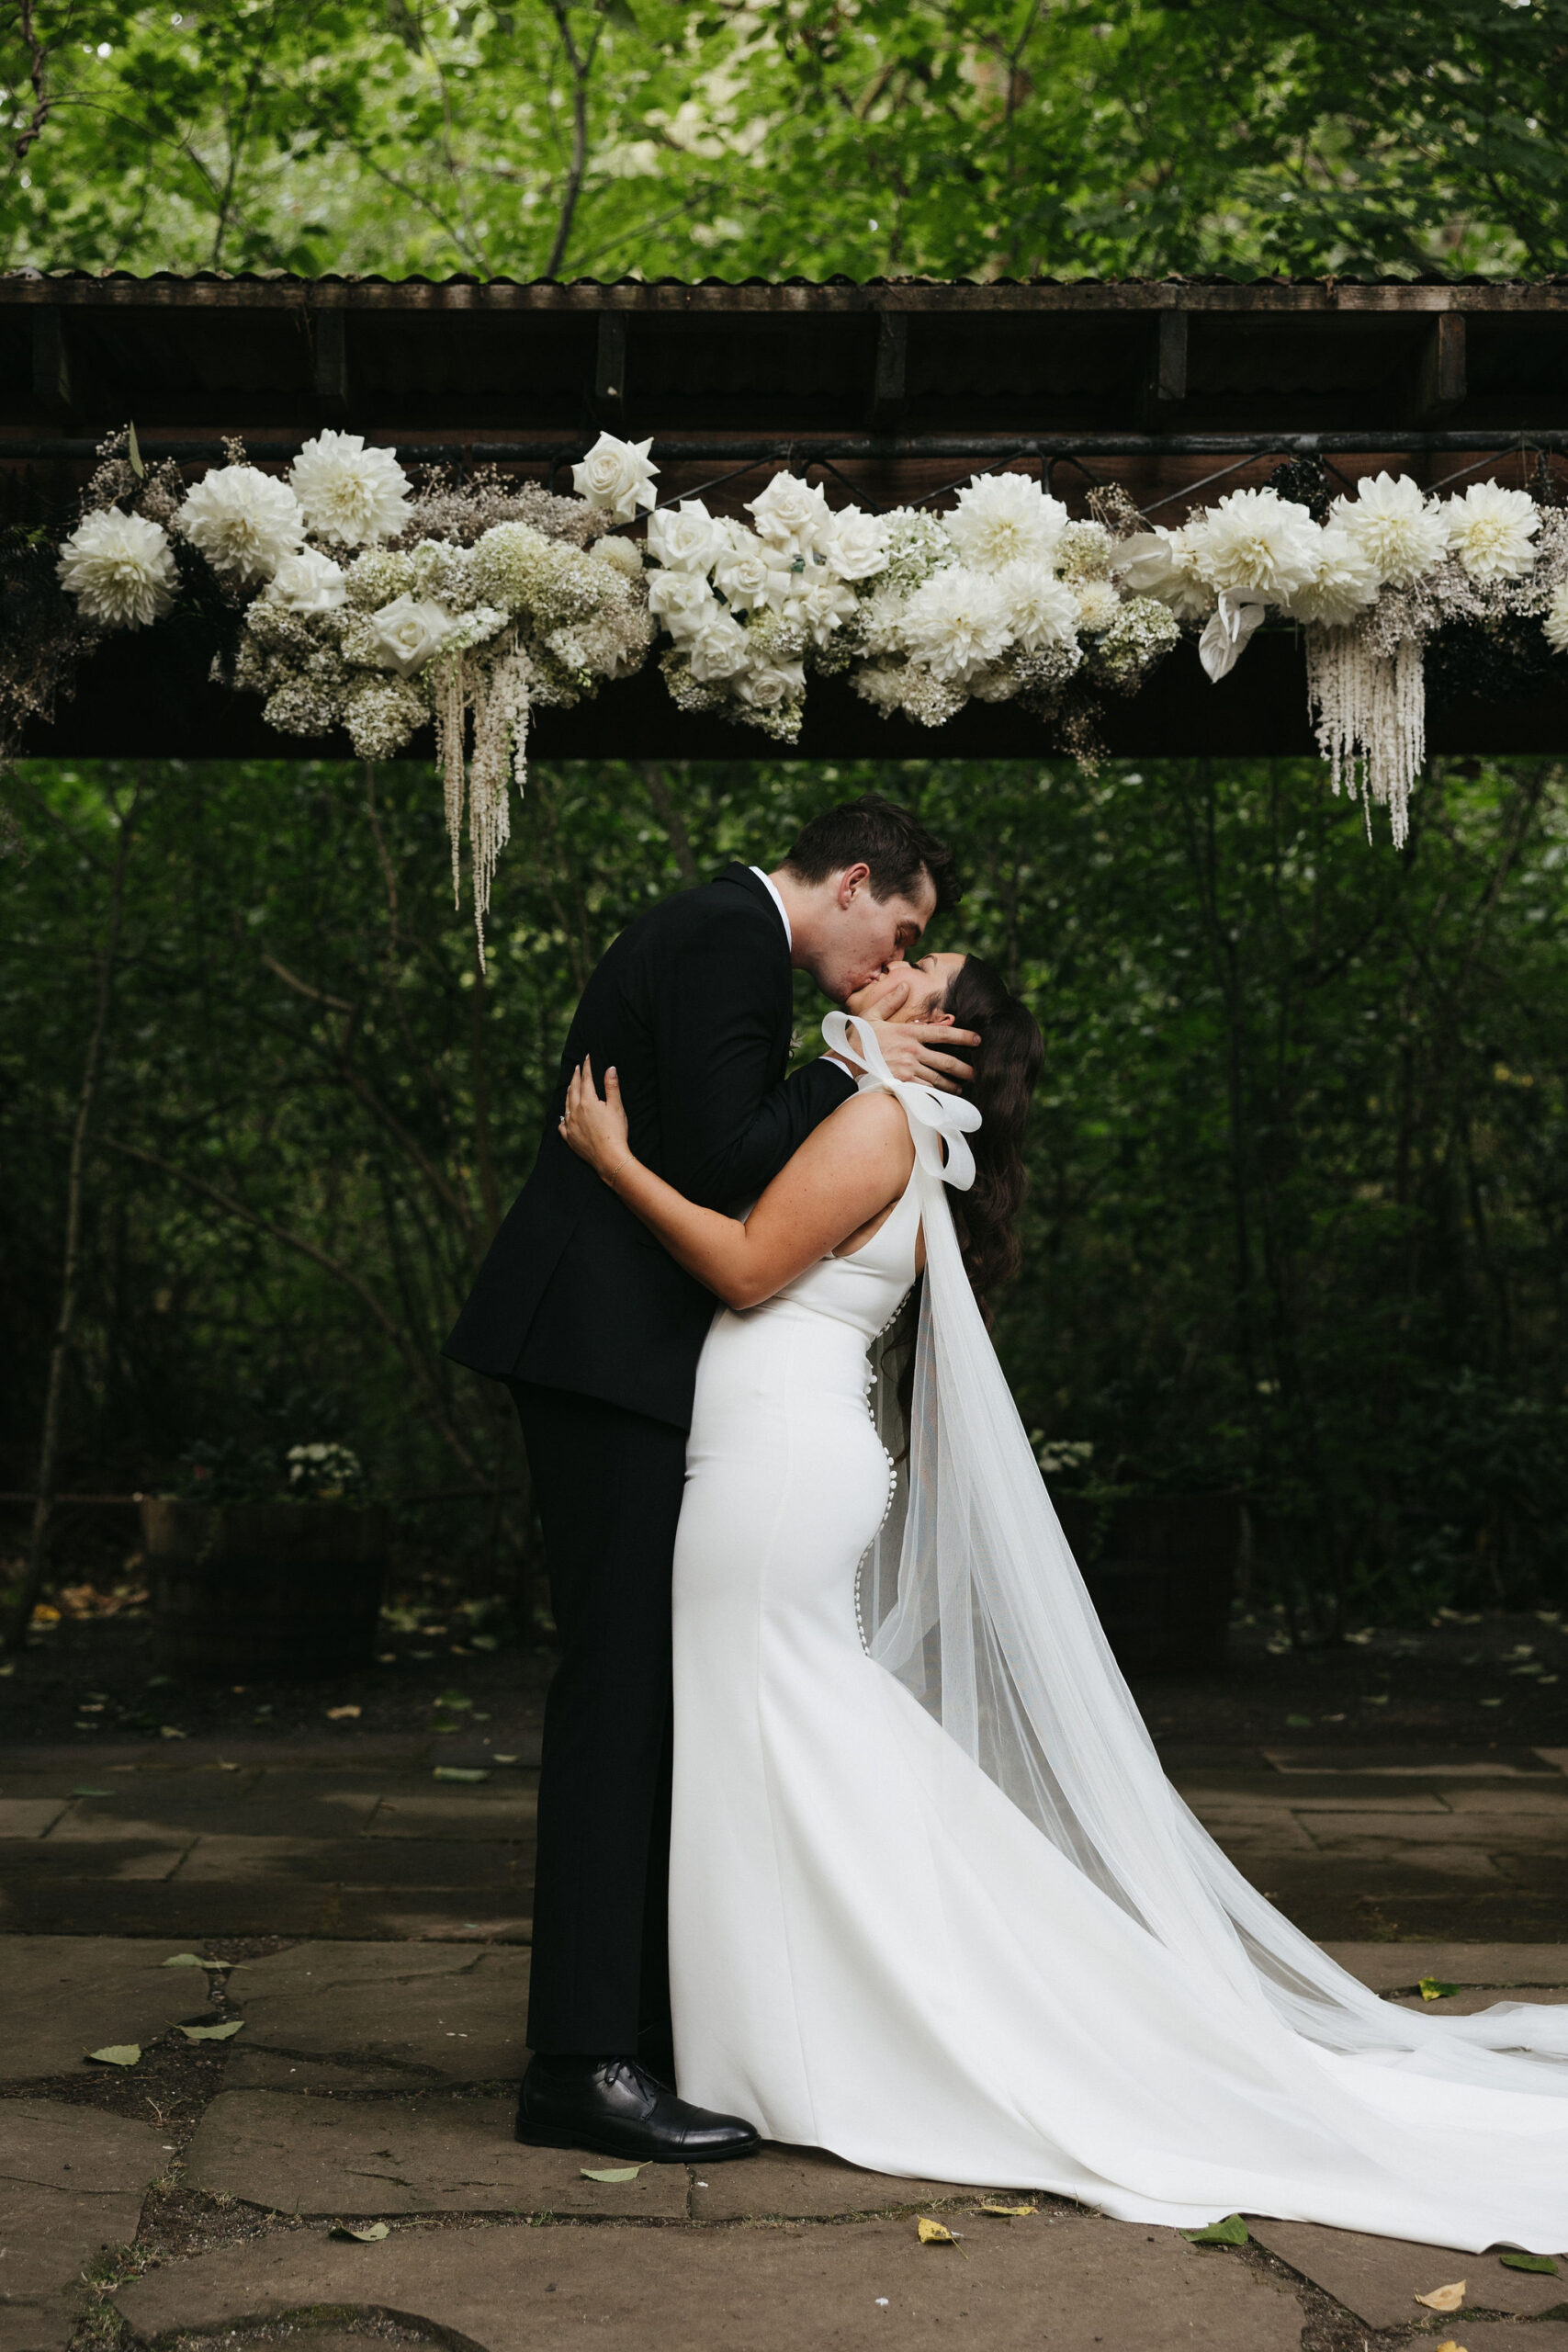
1161 1571
256 1591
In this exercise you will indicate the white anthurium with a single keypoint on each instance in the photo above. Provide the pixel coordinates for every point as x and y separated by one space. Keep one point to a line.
616 477
684 537
1228 632
410 633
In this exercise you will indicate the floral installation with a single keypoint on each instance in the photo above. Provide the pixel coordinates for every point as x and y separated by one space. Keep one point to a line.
347 595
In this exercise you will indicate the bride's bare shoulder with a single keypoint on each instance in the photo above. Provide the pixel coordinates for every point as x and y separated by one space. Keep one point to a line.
874 1121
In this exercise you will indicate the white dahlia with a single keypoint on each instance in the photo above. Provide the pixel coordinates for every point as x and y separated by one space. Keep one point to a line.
957 623
308 583
243 522
348 492
1344 582
790 515
616 477
1255 543
1555 622
120 568
1005 518
1490 530
1097 606
684 537
1400 531
1042 610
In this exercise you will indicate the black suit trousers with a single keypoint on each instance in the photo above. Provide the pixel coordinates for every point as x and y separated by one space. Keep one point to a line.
608 1482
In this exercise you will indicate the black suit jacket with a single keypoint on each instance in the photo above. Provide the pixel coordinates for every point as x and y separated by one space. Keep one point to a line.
692 1005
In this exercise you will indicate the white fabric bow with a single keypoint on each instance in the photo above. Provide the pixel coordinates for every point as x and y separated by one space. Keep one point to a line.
935 1119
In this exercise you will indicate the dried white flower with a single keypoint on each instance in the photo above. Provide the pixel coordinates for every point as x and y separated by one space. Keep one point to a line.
792 516
1255 542
409 634
1343 584
243 522
957 623
347 492
684 537
120 568
1005 518
1400 531
1490 530
1085 551
1042 610
1555 624
616 477
308 583
856 546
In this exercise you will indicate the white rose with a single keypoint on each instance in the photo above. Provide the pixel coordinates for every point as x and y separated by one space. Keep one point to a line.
716 649
856 546
308 584
684 537
616 476
790 515
775 683
821 606
408 634
754 577
681 600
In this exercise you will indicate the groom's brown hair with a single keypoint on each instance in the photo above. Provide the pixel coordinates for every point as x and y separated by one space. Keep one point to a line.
879 834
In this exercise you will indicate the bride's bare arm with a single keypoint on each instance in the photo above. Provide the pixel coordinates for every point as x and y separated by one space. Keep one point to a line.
846 1173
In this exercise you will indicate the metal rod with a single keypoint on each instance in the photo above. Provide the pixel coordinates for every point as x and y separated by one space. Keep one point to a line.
805 448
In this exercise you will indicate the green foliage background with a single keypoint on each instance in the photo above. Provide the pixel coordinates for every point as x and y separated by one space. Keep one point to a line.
1299 1164
952 137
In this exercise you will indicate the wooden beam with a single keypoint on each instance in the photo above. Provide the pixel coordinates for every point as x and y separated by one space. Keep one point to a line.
890 389
1441 372
1167 384
52 364
328 362
610 369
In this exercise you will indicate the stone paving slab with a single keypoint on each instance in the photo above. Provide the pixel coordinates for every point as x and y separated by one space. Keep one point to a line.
83 1908
155 1855
67 1995
512 1812
451 2009
1066 2284
432 2153
71 2183
275 2070
1378 2278
1387 1967
1504 2336
1401 1763
370 1865
807 2184
1492 1830
28 1816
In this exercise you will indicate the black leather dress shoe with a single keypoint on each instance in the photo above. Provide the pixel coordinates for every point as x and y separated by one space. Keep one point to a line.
618 2109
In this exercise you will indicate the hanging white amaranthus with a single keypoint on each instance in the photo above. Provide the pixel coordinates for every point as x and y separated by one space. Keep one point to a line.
362 603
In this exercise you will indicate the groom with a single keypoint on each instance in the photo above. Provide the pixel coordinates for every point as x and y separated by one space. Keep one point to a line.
597 1333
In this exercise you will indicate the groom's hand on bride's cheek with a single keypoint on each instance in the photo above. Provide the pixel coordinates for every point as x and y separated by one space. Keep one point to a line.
916 1052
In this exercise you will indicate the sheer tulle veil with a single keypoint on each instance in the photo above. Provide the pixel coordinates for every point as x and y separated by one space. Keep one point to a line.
971 1597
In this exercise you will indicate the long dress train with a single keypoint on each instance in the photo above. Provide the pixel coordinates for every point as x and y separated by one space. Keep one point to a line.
934 1905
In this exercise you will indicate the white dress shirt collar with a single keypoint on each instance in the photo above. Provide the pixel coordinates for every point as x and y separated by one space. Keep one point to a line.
772 887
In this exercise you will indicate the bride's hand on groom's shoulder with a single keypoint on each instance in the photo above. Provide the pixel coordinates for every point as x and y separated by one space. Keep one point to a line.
595 1126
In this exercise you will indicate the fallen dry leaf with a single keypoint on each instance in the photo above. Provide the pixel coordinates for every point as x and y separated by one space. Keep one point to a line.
371 2236
1450 2347
458 1772
1008 2213
119 2053
1444 2298
620 2172
1540 2262
212 2032
341 1715
936 2232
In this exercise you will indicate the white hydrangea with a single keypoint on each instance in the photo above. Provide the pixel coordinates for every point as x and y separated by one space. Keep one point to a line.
1490 530
684 537
308 583
243 522
348 494
625 555
1401 533
1555 622
856 546
1005 518
957 623
120 568
1085 551
1042 610
409 634
793 516
1344 583
616 477
1255 543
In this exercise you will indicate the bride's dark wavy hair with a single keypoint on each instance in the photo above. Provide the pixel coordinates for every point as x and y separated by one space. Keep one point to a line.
1006 1066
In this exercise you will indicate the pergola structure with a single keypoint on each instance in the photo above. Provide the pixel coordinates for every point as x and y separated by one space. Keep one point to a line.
889 392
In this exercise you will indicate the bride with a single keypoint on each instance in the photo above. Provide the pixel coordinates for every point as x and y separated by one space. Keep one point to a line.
934 1905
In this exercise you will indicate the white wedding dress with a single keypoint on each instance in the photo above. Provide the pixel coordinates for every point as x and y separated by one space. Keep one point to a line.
933 1904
